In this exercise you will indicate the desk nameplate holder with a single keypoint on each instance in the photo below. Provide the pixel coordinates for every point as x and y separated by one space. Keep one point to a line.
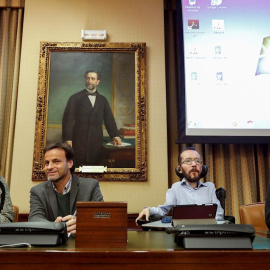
91 169
101 224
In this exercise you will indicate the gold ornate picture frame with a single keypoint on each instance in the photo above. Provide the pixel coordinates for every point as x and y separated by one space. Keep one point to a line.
123 83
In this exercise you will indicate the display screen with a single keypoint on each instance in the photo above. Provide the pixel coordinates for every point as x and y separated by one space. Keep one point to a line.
225 48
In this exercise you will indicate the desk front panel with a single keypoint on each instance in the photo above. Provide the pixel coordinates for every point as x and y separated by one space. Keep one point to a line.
145 250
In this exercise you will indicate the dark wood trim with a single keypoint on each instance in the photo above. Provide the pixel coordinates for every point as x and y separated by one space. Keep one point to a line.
145 250
23 217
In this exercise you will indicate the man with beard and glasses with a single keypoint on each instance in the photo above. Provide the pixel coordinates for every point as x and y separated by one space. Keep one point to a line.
188 191
82 121
55 200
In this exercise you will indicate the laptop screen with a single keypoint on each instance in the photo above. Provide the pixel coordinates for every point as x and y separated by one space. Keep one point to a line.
194 211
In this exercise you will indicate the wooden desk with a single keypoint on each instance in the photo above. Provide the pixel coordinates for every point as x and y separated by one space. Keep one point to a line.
145 250
263 233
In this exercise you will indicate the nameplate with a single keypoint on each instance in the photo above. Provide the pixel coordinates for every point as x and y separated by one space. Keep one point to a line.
91 169
102 215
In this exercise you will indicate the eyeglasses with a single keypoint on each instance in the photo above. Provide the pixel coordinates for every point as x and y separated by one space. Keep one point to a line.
189 161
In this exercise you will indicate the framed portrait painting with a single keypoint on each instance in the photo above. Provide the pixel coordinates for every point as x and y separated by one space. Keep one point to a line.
106 128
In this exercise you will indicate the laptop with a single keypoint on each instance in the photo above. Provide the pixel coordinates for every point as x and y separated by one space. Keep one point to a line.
194 214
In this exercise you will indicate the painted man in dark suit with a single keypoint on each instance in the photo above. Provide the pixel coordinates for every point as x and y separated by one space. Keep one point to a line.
55 200
82 122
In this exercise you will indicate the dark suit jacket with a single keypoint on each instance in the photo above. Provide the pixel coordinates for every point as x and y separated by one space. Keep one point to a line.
43 201
82 124
267 206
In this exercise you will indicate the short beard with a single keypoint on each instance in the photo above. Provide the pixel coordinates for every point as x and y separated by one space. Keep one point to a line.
90 87
191 179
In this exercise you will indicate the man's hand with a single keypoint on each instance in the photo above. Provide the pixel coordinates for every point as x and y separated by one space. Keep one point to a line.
117 141
70 223
145 212
58 219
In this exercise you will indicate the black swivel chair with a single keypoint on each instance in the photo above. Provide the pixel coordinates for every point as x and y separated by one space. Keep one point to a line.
221 195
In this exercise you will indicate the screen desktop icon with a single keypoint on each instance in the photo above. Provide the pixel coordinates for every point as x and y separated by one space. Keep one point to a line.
216 2
219 76
217 50
192 51
193 24
192 2
193 76
263 66
218 25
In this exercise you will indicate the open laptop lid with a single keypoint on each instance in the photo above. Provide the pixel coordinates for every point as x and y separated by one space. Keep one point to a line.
194 214
194 211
